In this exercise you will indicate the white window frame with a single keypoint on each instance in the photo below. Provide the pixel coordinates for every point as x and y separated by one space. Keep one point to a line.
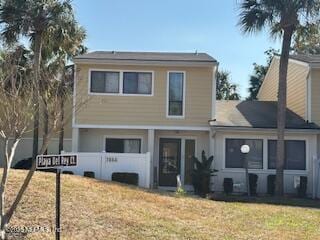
306 154
240 138
183 98
265 154
120 82
124 137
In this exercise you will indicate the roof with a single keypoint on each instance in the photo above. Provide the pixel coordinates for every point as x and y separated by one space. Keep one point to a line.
255 114
312 59
146 57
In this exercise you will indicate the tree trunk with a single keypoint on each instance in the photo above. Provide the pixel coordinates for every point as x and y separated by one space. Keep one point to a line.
45 125
4 180
281 113
61 123
25 184
36 72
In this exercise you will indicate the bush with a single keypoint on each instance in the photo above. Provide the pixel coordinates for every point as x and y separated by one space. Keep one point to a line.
302 189
201 175
68 172
23 164
88 174
128 178
253 183
228 185
271 185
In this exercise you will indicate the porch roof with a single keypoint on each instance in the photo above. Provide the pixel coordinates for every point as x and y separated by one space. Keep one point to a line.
255 114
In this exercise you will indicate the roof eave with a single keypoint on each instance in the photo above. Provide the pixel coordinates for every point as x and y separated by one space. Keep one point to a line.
266 129
146 62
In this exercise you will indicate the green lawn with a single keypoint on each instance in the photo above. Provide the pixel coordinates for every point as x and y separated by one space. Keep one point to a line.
93 209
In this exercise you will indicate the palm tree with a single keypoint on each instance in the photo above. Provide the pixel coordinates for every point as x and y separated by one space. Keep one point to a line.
225 89
43 22
282 18
35 19
56 56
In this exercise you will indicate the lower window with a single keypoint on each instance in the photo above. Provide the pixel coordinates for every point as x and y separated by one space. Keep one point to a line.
295 154
121 145
236 159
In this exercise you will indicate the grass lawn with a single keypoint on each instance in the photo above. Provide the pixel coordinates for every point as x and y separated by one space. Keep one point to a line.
93 209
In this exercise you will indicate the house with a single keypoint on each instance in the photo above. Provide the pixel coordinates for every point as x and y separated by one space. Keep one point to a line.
161 108
164 104
138 102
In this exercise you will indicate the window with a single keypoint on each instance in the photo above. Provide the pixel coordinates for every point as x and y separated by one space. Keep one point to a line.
189 154
137 83
121 82
236 159
104 82
295 154
175 98
120 145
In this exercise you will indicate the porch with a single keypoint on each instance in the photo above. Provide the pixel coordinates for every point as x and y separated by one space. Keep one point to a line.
170 151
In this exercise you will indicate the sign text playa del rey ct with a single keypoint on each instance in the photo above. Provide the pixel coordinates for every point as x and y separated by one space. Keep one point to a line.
52 161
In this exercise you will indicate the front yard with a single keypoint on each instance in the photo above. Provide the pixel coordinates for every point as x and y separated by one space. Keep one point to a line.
93 209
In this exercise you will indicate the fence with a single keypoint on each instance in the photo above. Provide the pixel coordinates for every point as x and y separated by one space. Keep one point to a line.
104 164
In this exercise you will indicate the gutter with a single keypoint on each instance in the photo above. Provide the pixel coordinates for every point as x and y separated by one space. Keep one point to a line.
273 130
181 63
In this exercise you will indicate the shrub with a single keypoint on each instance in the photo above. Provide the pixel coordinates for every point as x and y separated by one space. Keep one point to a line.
253 180
180 191
228 185
88 174
201 175
68 172
123 177
271 185
302 189
23 164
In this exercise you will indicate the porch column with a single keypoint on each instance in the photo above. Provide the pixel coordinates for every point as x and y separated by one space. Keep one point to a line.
212 153
211 143
151 151
75 139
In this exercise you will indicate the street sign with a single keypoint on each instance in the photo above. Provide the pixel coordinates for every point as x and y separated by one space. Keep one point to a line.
57 161
54 161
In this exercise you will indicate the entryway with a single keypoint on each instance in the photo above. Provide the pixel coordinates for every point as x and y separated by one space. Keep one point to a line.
176 158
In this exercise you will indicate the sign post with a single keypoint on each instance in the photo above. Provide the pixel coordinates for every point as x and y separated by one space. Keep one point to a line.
57 161
58 192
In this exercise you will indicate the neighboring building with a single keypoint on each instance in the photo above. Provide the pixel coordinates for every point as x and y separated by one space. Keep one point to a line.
254 123
137 102
24 148
303 85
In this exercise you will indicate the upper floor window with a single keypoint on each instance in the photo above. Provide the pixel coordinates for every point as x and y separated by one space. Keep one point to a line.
176 86
295 154
104 82
121 82
137 82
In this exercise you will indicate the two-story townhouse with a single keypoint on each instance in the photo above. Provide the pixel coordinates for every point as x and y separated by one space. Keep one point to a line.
303 87
137 102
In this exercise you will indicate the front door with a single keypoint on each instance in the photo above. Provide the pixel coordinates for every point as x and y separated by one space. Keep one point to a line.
169 161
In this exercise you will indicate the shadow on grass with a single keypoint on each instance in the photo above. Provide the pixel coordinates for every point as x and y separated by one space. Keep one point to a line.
280 201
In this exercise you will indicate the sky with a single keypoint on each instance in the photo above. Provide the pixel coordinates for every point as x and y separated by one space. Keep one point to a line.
176 26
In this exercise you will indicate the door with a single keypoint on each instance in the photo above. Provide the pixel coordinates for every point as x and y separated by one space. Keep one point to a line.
169 161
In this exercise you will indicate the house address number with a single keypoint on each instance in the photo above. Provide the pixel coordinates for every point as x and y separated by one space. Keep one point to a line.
111 159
